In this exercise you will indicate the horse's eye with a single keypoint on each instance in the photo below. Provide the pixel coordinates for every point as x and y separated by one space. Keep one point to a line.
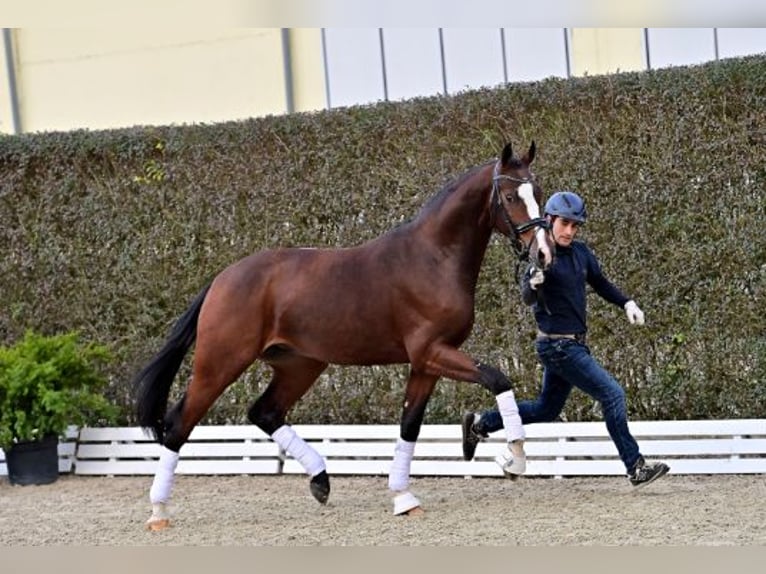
510 198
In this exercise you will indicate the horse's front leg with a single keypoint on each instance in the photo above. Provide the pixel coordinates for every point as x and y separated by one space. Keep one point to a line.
417 393
455 364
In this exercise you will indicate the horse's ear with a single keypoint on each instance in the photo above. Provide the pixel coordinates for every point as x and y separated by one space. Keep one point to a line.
507 154
529 158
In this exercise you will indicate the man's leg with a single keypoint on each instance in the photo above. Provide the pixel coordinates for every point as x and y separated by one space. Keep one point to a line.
589 376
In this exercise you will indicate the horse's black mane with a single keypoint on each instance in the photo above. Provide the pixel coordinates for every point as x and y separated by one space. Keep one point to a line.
450 187
441 196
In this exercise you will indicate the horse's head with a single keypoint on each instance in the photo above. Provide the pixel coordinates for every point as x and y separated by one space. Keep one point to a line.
516 195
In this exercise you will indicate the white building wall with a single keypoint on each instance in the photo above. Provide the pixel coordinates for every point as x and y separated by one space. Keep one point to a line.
680 46
536 53
354 66
473 58
413 59
733 42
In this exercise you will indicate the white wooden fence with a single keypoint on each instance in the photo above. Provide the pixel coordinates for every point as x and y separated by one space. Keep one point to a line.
553 449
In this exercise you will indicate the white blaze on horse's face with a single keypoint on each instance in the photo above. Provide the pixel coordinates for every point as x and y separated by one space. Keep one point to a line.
527 194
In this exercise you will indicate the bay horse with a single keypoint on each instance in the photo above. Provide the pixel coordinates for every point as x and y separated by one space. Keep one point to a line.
406 296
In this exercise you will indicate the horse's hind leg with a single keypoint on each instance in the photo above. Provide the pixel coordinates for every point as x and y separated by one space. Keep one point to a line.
211 377
293 376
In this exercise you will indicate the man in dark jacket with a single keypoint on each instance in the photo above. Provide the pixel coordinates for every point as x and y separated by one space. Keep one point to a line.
559 301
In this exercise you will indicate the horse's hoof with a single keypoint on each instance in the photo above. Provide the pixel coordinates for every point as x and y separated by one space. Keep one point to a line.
157 524
160 519
320 487
417 511
512 466
406 503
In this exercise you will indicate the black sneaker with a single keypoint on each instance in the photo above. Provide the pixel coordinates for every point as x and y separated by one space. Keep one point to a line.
471 437
643 473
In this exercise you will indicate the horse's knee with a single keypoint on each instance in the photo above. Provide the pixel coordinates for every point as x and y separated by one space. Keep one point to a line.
268 420
493 380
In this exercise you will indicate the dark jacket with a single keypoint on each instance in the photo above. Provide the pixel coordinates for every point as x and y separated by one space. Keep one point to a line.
559 303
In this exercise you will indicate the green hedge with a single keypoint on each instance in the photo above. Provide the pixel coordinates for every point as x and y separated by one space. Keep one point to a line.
113 232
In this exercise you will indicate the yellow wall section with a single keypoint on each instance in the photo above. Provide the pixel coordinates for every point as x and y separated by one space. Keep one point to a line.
607 50
103 78
309 92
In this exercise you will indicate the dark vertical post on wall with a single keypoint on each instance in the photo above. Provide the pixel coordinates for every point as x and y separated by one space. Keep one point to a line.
646 49
10 65
383 63
326 70
567 55
444 62
287 62
505 58
715 43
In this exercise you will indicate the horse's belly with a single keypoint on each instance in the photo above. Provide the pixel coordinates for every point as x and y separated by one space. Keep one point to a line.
357 348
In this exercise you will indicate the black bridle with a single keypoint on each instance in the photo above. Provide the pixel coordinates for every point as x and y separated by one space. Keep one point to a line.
520 248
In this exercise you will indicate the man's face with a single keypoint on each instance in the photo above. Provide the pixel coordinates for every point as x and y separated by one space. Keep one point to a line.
564 230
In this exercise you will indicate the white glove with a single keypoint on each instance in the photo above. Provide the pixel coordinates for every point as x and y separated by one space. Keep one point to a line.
635 315
536 279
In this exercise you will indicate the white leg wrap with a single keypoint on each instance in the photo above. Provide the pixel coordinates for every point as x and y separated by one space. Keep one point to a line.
311 461
509 411
405 502
164 476
399 475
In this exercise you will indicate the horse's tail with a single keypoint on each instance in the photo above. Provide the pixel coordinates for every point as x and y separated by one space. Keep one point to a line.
152 384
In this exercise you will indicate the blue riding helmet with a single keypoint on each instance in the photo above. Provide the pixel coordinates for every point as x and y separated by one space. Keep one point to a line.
568 205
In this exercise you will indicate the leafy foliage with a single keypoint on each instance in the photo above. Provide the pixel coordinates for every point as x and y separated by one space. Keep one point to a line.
48 383
113 232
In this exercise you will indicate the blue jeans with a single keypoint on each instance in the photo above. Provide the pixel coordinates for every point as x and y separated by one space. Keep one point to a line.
568 363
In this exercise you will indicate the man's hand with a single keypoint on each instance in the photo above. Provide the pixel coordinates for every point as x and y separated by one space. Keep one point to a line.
536 278
635 315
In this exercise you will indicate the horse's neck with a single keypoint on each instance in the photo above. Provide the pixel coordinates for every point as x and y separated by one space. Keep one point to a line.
460 224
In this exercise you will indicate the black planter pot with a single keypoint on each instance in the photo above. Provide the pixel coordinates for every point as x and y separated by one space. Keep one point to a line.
33 462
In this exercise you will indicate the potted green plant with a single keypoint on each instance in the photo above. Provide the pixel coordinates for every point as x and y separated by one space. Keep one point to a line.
46 384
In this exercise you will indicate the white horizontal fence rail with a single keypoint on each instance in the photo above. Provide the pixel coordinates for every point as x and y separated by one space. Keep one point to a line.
210 450
553 449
